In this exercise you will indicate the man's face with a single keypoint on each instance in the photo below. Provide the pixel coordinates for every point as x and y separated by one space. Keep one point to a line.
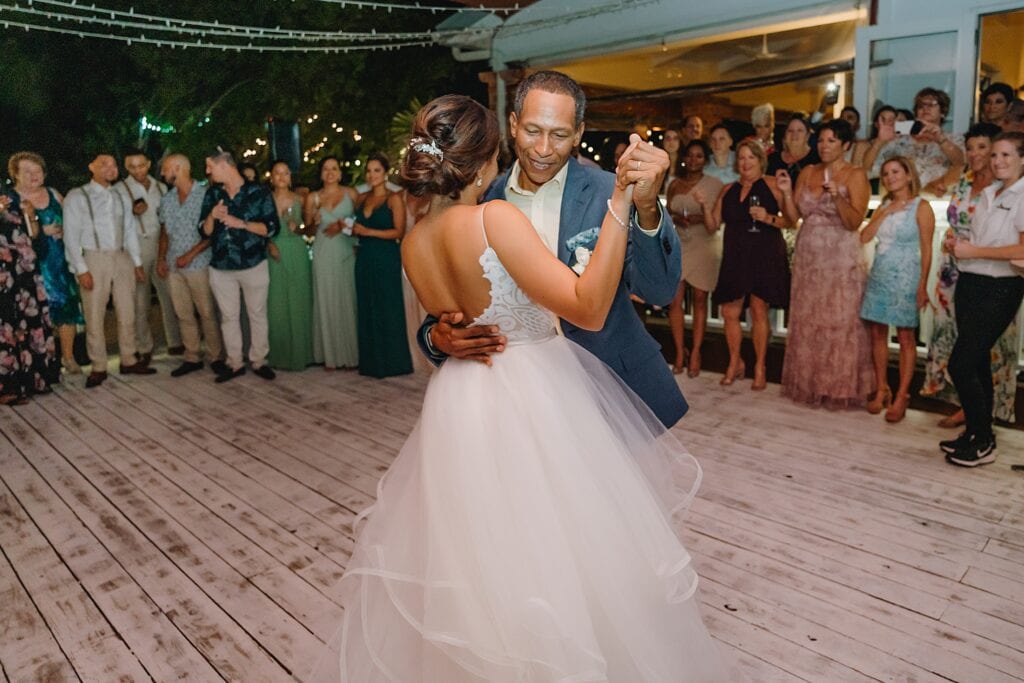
169 170
104 169
216 170
544 135
694 128
137 166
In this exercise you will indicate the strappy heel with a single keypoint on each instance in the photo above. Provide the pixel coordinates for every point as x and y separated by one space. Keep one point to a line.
881 401
730 377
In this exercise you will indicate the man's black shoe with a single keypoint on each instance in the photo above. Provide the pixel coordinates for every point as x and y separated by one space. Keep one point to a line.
953 445
229 375
95 379
219 367
138 369
981 450
265 372
186 368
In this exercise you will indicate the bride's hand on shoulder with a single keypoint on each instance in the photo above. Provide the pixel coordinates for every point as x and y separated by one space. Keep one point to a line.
451 336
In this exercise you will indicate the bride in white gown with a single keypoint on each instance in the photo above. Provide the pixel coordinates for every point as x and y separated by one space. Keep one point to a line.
524 534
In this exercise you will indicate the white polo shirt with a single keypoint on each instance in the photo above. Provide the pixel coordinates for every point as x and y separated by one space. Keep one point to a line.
997 222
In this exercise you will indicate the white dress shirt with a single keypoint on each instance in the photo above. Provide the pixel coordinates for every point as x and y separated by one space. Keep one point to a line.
110 226
543 207
997 222
131 189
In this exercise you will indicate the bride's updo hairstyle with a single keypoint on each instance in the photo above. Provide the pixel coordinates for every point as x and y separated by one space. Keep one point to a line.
453 137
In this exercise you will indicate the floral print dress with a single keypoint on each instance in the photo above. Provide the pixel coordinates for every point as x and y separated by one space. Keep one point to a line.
937 382
27 362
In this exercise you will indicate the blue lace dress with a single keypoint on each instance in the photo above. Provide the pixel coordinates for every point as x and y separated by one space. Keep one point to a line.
891 295
61 286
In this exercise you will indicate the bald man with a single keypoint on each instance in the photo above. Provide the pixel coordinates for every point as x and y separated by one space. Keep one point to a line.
102 250
183 260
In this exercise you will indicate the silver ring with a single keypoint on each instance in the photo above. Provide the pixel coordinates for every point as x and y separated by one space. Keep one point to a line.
638 164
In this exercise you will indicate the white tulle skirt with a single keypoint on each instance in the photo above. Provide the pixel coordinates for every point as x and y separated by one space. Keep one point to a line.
524 534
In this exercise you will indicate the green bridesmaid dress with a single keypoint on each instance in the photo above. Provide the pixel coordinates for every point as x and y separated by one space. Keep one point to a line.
290 299
383 345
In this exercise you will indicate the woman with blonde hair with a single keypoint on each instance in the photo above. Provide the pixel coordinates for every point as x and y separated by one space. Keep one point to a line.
897 284
763 119
755 270
44 205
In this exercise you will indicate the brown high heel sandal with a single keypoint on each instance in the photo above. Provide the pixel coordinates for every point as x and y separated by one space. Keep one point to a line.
694 369
898 410
730 377
881 401
678 366
760 384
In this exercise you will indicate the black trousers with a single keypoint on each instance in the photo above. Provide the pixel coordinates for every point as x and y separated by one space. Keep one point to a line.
985 307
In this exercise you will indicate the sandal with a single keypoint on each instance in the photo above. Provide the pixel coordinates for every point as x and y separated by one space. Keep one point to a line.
732 376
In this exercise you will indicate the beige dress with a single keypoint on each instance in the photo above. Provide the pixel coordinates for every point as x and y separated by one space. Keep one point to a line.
702 252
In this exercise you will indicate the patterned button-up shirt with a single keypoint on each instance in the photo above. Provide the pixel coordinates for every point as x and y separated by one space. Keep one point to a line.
236 248
180 220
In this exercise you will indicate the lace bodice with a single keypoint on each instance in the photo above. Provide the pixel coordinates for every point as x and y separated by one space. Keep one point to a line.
514 313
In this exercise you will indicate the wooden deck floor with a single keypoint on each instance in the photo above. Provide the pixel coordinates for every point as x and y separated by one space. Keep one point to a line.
167 530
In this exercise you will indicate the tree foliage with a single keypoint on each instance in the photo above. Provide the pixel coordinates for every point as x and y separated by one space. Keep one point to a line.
70 98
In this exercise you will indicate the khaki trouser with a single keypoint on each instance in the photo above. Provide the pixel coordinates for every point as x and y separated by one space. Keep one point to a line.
253 283
190 293
112 273
148 247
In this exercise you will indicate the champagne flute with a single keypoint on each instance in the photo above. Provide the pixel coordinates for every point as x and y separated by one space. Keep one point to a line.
684 236
753 201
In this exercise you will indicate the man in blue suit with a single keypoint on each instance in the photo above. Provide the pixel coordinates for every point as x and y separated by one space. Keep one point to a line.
567 202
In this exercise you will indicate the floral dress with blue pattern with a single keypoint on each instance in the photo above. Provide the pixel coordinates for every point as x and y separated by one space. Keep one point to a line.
891 294
937 382
61 286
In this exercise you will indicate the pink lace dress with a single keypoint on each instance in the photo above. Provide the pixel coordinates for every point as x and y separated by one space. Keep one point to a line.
828 350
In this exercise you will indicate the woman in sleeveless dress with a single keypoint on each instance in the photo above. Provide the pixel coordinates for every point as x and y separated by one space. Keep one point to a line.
897 284
327 211
28 170
828 347
290 296
380 225
755 269
524 533
702 248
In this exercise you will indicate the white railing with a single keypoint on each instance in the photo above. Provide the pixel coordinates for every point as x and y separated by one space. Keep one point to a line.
777 317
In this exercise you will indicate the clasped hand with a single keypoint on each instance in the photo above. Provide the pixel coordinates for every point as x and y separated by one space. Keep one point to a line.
220 213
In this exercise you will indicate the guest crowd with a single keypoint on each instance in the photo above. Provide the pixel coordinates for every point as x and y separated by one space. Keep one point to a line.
215 249
212 250
840 310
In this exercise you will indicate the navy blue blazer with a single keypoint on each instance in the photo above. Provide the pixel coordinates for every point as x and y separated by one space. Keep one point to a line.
652 271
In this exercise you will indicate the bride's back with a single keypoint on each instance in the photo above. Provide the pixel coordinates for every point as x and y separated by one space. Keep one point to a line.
441 257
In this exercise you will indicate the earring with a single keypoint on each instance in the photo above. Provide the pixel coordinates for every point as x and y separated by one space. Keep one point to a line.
479 181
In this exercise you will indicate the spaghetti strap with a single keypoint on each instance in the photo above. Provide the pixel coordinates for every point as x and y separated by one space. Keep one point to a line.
483 230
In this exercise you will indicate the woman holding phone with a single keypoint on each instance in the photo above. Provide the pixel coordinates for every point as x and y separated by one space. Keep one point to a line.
937 157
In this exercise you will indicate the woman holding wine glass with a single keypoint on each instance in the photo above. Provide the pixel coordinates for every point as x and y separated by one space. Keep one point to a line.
755 270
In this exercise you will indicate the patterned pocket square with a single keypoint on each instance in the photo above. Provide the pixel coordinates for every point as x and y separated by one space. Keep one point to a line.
585 238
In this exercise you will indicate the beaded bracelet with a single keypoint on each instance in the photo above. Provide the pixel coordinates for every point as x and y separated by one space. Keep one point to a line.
618 220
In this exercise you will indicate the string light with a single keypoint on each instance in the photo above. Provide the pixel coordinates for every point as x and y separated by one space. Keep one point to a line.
94 14
162 42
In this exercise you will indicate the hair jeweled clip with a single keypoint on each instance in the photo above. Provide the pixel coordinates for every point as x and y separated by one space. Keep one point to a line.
427 146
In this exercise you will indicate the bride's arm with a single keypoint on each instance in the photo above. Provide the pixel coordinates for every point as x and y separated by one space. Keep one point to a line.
585 300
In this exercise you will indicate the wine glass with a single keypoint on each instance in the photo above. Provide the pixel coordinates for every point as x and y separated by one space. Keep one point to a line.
753 201
684 235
